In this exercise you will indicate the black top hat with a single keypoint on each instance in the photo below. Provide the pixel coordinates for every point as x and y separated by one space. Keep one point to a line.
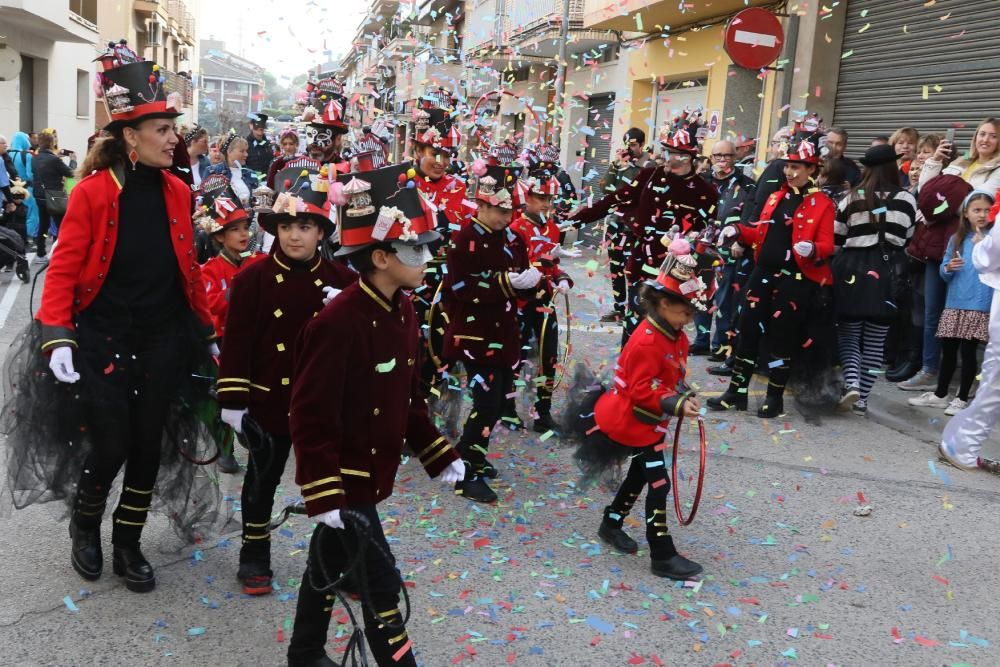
218 205
496 186
258 119
434 127
382 205
299 193
326 97
132 88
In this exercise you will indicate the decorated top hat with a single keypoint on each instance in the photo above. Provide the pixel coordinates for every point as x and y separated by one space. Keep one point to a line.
218 205
326 108
678 139
689 271
541 183
132 88
803 143
503 153
299 193
548 154
380 206
258 119
496 185
434 128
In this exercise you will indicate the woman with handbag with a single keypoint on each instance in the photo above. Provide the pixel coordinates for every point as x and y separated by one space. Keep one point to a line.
50 174
873 224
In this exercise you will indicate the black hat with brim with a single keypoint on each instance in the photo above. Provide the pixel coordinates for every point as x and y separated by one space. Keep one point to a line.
300 193
878 155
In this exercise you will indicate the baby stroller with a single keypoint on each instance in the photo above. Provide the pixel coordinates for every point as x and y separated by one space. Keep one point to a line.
12 234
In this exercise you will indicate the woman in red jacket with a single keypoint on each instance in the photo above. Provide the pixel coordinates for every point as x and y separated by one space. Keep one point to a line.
631 418
123 324
792 245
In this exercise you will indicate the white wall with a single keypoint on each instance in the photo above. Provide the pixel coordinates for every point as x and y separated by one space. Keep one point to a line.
55 90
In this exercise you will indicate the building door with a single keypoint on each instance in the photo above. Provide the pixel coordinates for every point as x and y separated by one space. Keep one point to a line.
903 65
675 97
26 82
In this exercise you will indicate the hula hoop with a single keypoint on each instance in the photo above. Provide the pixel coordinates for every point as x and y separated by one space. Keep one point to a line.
701 472
429 321
560 371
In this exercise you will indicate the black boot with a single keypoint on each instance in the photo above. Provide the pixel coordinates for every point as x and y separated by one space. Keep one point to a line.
913 361
489 470
255 575
676 567
129 562
774 404
611 533
544 423
87 556
474 487
735 397
324 661
510 419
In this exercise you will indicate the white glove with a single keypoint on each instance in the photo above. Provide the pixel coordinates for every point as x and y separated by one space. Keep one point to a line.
729 232
563 286
560 251
455 472
804 248
329 293
525 279
61 363
331 518
234 418
213 349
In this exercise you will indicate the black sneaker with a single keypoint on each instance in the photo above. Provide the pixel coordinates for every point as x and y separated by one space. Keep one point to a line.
256 577
677 567
722 370
718 356
476 489
544 423
698 351
729 400
613 535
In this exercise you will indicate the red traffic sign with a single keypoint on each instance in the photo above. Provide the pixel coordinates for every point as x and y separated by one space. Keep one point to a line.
754 38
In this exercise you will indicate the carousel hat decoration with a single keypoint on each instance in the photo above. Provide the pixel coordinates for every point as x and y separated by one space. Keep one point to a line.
548 153
689 271
132 88
434 128
263 197
804 141
495 186
218 206
543 184
383 205
301 193
503 154
326 105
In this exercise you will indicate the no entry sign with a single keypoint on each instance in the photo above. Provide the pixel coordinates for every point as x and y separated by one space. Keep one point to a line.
754 38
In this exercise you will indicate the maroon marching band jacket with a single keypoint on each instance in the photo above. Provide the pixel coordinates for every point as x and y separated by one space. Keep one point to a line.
356 398
87 238
269 303
482 304
650 205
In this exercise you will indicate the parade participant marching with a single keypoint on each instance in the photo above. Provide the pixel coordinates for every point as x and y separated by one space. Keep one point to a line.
326 127
657 200
540 233
269 303
435 138
369 143
122 326
355 399
792 241
290 155
566 200
260 150
488 270
629 419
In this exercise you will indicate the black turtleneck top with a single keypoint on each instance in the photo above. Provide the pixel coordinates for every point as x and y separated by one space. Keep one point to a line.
142 287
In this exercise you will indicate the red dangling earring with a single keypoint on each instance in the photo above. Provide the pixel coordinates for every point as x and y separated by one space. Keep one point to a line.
133 157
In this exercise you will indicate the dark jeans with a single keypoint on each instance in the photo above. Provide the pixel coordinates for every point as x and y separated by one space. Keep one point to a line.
617 239
257 502
726 300
648 469
488 399
44 220
333 551
935 291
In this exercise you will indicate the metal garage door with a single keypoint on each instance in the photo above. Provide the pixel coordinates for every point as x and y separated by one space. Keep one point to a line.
597 154
930 65
674 98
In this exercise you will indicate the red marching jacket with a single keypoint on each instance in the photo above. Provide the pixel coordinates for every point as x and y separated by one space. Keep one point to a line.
813 222
648 386
448 195
218 274
87 238
541 241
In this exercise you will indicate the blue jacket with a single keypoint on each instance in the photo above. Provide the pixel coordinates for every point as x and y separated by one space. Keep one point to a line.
965 290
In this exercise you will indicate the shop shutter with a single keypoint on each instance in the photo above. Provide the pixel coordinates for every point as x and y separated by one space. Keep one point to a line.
597 154
900 51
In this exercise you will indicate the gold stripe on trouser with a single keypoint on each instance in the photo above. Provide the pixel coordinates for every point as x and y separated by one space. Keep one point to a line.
256 531
133 507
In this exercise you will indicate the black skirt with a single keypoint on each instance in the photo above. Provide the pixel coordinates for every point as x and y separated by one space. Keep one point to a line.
864 284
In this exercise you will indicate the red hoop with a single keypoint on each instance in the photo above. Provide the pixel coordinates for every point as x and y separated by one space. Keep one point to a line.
701 472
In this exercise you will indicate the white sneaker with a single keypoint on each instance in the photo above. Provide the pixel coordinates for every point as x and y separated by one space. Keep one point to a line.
929 399
851 395
920 382
956 406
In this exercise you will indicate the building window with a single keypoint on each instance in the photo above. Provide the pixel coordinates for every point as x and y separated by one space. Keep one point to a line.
85 9
82 93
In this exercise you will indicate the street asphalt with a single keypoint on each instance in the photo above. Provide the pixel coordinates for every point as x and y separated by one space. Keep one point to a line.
793 574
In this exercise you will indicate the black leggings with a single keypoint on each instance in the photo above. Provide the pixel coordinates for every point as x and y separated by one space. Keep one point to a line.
649 469
261 481
533 324
489 394
950 348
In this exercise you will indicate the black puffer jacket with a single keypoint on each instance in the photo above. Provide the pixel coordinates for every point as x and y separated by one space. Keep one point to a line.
49 172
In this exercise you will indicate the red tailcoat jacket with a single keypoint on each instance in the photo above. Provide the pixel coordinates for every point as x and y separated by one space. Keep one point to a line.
357 398
448 195
813 221
650 205
218 274
482 305
648 386
269 303
541 241
87 238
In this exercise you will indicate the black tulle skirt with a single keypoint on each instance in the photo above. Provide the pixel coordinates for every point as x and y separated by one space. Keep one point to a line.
46 424
600 459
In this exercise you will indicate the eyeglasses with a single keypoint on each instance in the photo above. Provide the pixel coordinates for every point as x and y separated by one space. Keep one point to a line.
724 156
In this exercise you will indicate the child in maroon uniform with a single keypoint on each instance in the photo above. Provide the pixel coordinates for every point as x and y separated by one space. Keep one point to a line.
630 419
